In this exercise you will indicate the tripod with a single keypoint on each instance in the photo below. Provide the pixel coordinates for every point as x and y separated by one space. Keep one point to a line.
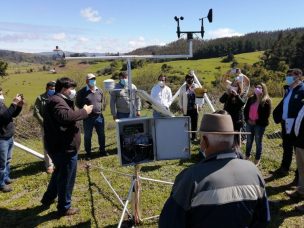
133 194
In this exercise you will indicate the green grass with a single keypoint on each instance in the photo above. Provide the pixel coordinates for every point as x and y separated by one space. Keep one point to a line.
99 207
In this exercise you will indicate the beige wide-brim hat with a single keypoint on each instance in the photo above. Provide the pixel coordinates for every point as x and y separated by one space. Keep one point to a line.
218 124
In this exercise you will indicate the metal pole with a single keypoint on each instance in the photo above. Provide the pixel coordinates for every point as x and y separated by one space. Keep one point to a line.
26 149
115 193
126 203
205 95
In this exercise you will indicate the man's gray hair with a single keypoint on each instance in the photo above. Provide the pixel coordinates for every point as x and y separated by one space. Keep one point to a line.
215 139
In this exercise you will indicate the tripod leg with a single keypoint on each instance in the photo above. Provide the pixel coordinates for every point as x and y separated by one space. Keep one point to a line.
115 193
126 203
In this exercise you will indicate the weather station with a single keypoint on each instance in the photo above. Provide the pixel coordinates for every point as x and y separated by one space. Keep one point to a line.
144 139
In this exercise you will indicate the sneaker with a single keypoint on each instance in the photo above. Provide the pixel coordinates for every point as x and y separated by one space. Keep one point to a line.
6 188
295 194
69 212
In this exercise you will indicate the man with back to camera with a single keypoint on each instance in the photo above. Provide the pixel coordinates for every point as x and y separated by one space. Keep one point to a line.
120 101
285 113
222 190
162 94
7 130
62 141
92 95
39 109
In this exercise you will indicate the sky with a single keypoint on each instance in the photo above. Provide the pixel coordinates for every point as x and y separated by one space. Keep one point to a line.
124 25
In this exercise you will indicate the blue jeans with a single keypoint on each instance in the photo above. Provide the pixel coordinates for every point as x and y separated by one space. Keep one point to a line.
257 133
62 180
6 148
88 125
121 115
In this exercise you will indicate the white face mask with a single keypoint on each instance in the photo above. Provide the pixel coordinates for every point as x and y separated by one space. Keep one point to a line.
161 83
1 98
72 94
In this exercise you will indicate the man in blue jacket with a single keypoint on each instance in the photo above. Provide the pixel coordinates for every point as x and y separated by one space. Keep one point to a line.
286 112
7 130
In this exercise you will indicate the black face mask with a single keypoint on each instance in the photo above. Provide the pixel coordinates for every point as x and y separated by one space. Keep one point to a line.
189 81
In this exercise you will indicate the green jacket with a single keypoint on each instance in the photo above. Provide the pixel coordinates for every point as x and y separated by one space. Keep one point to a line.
39 107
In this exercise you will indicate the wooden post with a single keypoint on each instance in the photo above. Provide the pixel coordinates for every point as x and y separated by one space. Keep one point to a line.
136 196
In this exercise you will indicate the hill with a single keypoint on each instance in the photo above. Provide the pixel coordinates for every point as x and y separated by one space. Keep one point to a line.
257 41
18 57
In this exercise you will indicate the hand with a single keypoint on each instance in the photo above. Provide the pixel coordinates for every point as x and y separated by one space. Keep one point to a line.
88 108
138 113
18 100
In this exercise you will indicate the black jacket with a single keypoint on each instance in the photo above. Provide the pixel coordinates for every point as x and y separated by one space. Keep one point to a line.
295 104
7 127
263 111
234 105
61 129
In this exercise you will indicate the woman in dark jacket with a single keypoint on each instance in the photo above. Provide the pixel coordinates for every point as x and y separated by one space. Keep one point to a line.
234 103
256 113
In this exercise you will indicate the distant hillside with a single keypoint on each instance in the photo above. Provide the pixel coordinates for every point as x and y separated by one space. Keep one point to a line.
257 41
17 57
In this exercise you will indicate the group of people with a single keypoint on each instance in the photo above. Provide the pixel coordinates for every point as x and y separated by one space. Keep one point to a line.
248 112
211 193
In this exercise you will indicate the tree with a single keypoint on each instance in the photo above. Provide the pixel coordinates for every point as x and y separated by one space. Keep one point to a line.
3 68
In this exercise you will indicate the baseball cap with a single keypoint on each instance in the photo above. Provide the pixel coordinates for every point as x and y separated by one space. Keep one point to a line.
90 76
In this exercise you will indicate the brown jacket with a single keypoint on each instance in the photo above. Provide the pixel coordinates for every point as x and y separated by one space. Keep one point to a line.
62 132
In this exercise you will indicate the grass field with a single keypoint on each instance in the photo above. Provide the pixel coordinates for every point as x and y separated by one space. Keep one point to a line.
99 206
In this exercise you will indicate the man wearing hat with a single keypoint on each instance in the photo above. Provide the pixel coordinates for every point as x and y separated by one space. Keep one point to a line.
92 95
39 111
222 190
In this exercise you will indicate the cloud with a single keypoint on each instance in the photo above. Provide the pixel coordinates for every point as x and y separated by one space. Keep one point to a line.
223 32
137 43
59 36
90 15
83 39
19 37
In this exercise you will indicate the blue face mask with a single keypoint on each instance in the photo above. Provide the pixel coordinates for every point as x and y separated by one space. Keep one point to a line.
124 82
92 83
289 79
50 92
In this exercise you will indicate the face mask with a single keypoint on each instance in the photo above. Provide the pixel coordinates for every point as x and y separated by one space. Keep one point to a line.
289 79
92 83
72 94
258 91
161 83
50 92
124 82
1 98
